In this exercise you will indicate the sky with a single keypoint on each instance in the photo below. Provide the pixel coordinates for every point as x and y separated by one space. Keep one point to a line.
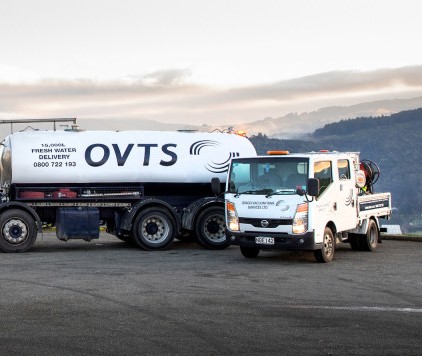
204 62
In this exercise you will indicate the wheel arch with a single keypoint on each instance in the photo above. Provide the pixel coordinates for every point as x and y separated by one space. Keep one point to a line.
362 229
192 212
377 222
332 227
24 207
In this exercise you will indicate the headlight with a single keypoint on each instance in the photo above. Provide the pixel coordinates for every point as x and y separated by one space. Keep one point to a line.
300 221
232 219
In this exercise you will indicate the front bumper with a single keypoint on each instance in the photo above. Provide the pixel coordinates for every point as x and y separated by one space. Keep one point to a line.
281 241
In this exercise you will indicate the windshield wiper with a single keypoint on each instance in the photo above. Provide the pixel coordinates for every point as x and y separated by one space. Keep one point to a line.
280 192
258 191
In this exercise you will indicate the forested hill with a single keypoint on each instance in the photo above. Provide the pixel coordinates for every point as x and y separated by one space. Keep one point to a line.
393 142
401 121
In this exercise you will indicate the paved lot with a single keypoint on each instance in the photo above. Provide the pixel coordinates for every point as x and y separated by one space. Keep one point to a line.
108 298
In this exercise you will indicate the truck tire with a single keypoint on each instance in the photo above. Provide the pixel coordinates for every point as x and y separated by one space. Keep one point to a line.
369 241
210 229
17 231
326 253
154 229
354 241
249 252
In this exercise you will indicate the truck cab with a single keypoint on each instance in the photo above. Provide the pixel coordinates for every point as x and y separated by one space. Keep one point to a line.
303 201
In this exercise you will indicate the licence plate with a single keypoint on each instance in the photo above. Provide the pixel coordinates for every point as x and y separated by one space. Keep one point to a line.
264 240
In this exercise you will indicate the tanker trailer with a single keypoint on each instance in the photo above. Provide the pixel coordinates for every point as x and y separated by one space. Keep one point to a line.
145 186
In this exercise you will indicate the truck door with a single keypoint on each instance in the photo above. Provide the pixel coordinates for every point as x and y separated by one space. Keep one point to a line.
324 205
346 196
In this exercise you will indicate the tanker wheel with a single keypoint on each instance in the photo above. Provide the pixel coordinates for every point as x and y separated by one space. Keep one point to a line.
369 241
326 253
211 229
17 231
154 229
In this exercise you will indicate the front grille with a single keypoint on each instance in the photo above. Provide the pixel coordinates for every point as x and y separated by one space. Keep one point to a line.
272 222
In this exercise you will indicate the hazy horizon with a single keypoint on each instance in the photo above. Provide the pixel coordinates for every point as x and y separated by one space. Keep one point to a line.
196 62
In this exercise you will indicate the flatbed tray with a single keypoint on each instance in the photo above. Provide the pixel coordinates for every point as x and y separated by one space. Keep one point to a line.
378 204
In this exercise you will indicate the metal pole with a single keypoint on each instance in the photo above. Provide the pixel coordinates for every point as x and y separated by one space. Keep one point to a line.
28 121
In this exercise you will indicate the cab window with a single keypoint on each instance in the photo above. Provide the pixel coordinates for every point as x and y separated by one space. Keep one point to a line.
323 172
343 169
241 173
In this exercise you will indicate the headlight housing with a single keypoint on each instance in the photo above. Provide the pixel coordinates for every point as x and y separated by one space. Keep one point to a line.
232 218
300 221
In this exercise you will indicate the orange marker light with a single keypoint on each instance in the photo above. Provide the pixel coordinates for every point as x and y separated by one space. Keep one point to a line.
241 133
278 152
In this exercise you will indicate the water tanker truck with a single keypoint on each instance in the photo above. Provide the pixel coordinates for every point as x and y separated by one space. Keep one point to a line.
144 186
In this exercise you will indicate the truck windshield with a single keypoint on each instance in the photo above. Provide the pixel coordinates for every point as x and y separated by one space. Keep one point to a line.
272 175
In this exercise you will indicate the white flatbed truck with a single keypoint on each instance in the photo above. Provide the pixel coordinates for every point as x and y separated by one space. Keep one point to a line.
304 201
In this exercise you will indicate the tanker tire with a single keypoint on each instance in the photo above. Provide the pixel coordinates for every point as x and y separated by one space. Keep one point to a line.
18 232
369 241
326 253
154 229
210 229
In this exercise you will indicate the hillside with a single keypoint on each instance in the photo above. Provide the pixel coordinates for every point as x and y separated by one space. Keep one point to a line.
289 126
294 125
393 142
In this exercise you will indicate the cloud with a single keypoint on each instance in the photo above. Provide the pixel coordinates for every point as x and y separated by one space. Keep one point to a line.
171 96
167 77
333 83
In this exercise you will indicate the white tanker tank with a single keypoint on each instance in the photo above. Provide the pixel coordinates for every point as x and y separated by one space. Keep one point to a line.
146 186
51 157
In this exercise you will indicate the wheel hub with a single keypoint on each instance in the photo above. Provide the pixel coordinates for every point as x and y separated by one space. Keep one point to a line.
15 231
213 227
328 245
151 228
154 230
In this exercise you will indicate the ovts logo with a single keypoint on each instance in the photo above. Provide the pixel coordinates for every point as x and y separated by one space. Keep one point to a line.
212 152
121 155
217 166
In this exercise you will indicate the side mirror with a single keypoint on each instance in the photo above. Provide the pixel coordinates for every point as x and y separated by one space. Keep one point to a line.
232 187
215 186
313 187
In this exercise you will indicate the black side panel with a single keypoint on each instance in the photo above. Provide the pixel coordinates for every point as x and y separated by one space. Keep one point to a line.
77 223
